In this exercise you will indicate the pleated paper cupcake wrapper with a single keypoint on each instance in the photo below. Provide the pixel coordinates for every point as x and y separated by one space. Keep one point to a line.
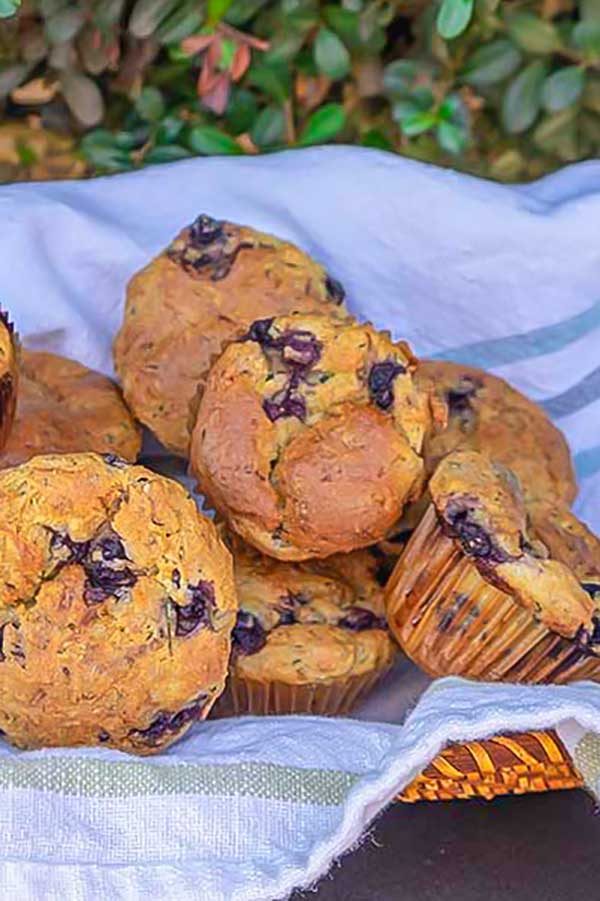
334 698
450 621
8 384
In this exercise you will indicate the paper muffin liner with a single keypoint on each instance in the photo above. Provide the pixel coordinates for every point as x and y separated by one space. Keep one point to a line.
9 382
337 697
450 621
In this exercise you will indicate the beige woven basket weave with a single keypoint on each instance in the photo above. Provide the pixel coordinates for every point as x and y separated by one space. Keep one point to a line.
528 762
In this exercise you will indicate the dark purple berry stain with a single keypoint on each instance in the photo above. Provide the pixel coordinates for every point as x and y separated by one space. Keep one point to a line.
335 289
198 612
176 578
460 396
357 619
115 460
592 588
204 230
208 247
6 392
103 736
298 351
475 541
381 382
288 605
168 723
248 635
101 559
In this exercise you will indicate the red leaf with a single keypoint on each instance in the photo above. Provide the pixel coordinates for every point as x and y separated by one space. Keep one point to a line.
196 43
216 99
241 61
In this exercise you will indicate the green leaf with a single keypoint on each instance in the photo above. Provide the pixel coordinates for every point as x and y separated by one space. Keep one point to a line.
8 8
491 63
417 123
399 76
345 23
216 9
107 12
64 25
168 153
130 140
169 130
562 88
98 147
404 109
589 10
150 104
522 100
273 79
323 125
269 128
181 23
83 97
147 15
533 34
241 112
551 127
586 36
209 140
451 137
453 17
376 139
241 11
330 54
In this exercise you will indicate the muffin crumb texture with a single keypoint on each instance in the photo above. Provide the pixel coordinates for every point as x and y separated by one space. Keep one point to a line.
117 603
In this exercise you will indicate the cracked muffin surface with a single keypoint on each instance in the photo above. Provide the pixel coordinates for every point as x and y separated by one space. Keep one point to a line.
479 504
9 377
203 291
486 414
116 606
309 435
63 408
309 622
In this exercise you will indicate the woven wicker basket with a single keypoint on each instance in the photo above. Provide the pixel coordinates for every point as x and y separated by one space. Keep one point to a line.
528 762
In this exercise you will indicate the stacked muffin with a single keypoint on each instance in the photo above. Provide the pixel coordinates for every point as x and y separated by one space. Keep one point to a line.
331 456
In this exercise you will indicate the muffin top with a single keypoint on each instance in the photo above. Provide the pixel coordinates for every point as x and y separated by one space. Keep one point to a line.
203 291
9 373
479 504
64 407
309 434
486 414
116 605
308 622
570 541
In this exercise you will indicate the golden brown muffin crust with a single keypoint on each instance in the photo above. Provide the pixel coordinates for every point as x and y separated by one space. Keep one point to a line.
9 376
570 541
116 605
203 291
479 504
64 407
308 622
309 435
488 415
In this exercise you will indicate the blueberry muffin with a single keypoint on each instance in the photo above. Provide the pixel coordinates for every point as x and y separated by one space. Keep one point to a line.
64 408
309 435
309 638
569 540
9 374
203 291
117 603
477 592
486 414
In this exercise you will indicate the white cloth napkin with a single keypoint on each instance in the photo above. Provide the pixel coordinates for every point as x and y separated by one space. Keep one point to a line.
498 276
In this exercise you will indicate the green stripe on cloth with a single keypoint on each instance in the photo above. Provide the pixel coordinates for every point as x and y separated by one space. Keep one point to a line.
86 777
587 760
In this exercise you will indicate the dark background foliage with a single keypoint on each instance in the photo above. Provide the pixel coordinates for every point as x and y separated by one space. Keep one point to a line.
504 88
